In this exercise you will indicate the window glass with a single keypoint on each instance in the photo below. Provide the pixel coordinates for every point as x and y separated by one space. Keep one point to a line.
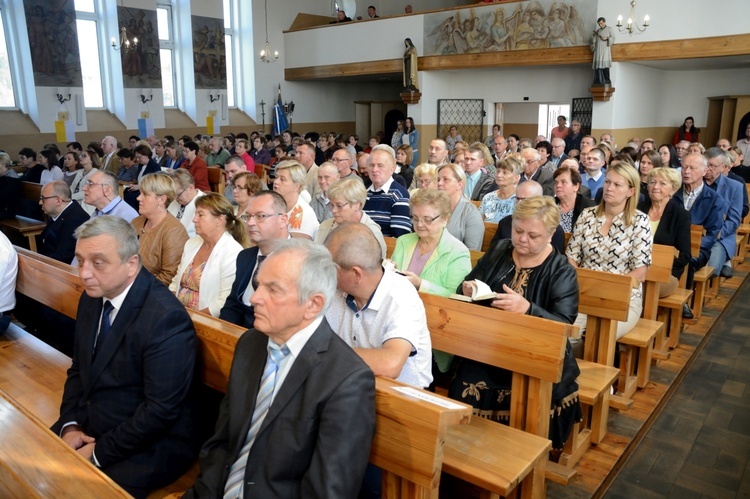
167 77
85 6
7 97
90 67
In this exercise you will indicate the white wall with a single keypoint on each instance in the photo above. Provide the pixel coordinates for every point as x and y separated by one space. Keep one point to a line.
506 85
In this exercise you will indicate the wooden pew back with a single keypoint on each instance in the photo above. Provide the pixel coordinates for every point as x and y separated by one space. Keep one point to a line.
216 179
658 273
490 228
605 299
532 348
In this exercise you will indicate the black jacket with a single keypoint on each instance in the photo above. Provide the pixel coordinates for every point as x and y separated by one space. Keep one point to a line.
673 230
582 202
10 197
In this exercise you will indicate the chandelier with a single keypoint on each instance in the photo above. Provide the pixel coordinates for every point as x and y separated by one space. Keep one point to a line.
632 25
265 54
125 44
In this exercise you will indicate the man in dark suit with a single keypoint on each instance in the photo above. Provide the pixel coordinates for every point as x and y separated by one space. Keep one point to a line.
299 415
267 223
532 171
127 404
558 152
65 216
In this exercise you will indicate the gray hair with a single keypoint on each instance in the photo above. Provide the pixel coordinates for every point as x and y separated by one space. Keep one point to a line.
317 272
5 159
115 227
717 152
111 180
353 244
386 148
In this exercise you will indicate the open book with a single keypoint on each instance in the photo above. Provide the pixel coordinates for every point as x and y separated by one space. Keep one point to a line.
479 292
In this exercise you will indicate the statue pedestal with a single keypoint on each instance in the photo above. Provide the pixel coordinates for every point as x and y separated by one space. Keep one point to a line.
411 97
602 93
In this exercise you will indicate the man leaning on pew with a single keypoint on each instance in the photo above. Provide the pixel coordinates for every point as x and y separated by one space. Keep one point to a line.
378 313
127 402
299 414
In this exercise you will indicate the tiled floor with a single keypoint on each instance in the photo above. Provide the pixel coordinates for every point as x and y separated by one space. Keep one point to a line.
699 445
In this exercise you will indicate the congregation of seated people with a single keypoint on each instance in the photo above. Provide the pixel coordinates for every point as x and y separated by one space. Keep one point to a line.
215 253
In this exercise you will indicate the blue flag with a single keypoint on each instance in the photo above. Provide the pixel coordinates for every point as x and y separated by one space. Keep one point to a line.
279 118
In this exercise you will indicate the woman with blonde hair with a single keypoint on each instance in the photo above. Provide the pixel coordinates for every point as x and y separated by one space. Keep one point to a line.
161 236
670 221
347 197
425 177
615 237
207 269
466 222
530 277
183 206
290 180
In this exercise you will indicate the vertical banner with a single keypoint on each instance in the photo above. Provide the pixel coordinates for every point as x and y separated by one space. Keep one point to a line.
145 127
212 124
65 131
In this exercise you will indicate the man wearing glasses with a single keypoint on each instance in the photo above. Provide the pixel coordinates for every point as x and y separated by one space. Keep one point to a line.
345 164
267 223
100 191
65 216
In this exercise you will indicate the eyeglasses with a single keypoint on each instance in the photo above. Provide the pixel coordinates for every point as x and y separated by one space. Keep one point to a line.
89 183
424 221
239 187
261 217
44 198
339 160
338 206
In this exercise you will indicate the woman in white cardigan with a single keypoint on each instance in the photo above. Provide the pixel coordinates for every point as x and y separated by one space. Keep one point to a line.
207 269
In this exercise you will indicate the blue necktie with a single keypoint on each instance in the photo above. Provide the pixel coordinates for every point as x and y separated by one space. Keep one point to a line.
104 326
235 481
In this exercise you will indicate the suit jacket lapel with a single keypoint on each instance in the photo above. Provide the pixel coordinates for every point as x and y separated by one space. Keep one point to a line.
308 359
128 312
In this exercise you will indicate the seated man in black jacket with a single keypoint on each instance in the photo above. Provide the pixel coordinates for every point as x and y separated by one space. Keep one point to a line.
64 217
267 222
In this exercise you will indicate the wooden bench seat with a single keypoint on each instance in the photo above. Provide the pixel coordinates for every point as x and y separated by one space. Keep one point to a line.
216 179
410 434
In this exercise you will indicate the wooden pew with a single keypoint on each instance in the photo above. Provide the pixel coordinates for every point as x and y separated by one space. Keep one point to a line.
23 225
605 299
409 439
490 455
36 463
216 179
490 228
702 276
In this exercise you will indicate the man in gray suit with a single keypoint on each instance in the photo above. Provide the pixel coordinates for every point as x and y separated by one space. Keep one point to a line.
299 415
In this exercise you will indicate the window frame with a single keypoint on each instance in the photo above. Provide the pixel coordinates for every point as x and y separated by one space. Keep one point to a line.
95 17
169 44
11 64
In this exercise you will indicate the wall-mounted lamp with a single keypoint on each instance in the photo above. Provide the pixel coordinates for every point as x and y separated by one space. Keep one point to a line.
145 100
214 99
61 98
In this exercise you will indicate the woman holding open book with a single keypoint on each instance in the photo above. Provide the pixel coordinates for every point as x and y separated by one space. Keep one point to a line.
528 277
431 258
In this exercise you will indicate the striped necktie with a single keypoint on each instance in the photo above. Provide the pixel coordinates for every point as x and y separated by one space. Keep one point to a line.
235 481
